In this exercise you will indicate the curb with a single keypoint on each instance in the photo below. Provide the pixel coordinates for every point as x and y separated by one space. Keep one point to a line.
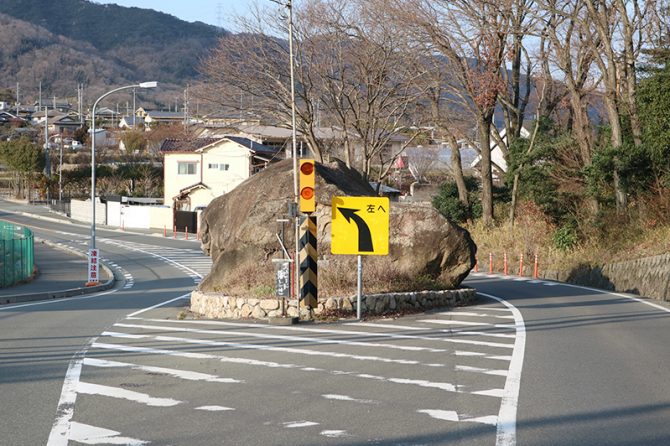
48 295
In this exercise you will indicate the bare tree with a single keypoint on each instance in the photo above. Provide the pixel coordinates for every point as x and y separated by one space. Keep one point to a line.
250 72
367 79
472 35
573 54
613 27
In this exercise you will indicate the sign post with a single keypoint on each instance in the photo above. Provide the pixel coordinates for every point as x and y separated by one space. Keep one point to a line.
360 226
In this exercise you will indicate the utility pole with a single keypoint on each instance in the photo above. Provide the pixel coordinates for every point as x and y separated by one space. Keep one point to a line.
294 154
47 160
17 99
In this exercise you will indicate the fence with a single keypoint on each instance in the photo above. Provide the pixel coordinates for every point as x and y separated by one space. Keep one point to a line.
16 254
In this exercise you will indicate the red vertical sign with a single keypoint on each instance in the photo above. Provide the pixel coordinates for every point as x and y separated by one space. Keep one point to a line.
93 265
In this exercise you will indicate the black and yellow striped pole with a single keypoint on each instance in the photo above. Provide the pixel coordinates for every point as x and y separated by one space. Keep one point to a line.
308 265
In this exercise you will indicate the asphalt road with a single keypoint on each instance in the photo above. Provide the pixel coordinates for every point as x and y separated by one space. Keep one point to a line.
531 363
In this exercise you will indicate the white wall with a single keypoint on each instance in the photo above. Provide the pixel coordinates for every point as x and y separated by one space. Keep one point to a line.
135 217
146 217
82 210
114 213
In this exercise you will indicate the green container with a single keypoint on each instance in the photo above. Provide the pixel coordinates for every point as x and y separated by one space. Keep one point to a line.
17 250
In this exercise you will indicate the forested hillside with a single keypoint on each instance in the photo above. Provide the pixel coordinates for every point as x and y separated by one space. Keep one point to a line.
64 42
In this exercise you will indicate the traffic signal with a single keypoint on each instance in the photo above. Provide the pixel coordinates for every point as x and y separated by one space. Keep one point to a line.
307 198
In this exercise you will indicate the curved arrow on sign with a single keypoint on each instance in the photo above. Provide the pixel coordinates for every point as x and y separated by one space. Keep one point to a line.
364 236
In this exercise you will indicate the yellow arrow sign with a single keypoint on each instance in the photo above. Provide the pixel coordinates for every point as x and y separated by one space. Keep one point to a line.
360 226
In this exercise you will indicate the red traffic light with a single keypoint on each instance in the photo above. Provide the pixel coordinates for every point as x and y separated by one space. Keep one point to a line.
306 168
307 193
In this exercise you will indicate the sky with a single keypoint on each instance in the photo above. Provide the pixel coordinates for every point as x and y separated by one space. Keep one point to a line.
213 12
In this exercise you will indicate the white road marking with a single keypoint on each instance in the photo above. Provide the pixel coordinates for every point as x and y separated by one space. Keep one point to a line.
117 392
636 299
123 335
183 296
483 355
421 383
56 301
383 325
181 374
298 351
467 368
479 333
465 323
334 434
190 355
267 336
87 434
60 430
468 313
348 398
494 308
497 393
294 424
506 422
452 415
214 408
347 332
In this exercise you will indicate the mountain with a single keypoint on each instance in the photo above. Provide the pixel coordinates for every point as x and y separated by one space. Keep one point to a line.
65 42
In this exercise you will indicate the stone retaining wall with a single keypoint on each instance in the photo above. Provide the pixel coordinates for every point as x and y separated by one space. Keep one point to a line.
648 277
219 306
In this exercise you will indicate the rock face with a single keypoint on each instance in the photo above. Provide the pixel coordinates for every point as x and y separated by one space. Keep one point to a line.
239 230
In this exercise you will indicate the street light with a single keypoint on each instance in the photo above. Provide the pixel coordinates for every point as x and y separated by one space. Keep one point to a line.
152 84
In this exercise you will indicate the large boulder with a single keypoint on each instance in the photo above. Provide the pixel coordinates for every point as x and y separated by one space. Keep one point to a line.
239 231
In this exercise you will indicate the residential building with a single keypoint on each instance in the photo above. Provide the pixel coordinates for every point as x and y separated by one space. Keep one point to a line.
130 122
154 117
196 171
498 161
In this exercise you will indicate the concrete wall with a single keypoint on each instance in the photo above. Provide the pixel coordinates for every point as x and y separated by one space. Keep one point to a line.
648 277
146 217
135 217
114 213
82 210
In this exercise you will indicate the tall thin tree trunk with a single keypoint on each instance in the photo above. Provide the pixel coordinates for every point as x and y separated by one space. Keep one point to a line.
485 169
457 170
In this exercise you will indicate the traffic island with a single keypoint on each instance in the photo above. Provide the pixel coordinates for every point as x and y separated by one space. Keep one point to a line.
218 306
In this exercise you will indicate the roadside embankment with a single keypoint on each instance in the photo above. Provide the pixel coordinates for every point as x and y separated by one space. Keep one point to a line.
648 277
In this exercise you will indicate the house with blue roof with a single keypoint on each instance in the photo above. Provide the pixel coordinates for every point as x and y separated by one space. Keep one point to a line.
195 171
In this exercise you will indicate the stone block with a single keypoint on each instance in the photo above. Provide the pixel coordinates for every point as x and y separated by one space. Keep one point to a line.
269 304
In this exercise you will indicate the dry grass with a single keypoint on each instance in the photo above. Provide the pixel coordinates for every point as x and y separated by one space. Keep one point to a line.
618 240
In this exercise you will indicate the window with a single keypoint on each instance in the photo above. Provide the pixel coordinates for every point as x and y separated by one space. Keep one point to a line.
185 168
218 166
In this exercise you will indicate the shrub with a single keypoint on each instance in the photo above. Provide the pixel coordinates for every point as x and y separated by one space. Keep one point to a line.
565 238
